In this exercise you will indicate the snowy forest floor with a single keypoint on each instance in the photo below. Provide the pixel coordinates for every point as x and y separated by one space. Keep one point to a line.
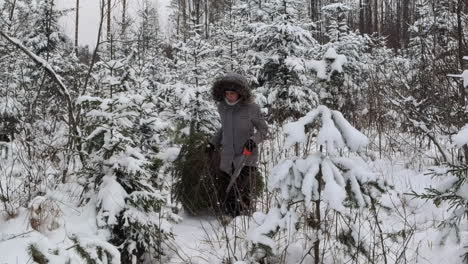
203 239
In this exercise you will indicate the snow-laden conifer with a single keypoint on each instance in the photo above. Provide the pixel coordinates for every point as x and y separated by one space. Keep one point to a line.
132 203
342 64
195 120
327 179
278 51
452 190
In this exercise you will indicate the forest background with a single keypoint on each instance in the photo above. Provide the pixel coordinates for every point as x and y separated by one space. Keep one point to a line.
90 139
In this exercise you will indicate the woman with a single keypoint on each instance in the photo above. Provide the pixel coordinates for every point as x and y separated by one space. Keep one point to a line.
242 128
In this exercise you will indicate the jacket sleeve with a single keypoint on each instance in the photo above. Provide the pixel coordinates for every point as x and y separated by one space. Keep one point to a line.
260 125
217 137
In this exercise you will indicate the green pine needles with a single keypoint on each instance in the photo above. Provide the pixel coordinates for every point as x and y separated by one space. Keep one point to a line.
196 184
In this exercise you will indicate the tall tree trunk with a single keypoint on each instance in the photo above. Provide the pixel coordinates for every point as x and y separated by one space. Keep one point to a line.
375 19
398 25
405 23
361 17
197 16
178 18
12 10
109 13
197 13
77 16
461 50
381 25
207 33
184 19
124 18
369 23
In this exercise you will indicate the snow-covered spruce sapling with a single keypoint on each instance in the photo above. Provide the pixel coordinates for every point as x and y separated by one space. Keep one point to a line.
132 209
323 180
195 118
94 251
342 79
452 190
278 51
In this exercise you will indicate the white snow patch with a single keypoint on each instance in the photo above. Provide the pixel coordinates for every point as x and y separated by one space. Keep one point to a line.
461 138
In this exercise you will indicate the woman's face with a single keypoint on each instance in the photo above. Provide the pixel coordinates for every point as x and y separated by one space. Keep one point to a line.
232 96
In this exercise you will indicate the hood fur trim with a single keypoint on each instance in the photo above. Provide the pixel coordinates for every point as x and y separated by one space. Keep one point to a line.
231 82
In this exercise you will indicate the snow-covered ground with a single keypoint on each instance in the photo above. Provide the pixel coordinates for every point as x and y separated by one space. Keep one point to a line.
202 239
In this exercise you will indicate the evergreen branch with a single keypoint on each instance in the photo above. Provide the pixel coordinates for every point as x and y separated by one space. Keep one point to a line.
36 254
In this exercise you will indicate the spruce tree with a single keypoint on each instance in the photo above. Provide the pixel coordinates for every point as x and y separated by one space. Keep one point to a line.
279 47
195 115
327 179
452 190
345 88
124 180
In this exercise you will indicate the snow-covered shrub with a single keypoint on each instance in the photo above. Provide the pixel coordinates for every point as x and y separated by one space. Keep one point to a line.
452 190
278 53
121 172
324 185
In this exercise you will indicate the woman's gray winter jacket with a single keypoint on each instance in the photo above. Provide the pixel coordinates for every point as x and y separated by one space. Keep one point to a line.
239 123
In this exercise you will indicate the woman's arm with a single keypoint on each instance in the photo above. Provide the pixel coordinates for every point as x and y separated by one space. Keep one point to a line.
216 139
260 125
218 136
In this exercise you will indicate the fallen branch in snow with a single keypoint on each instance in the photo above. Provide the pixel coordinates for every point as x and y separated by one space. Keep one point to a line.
15 236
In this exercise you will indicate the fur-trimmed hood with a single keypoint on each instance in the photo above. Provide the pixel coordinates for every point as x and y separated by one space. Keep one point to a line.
231 82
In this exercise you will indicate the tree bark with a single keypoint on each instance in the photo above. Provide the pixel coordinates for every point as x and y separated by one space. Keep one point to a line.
461 50
405 23
369 22
109 20
12 11
124 18
398 24
77 16
375 19
207 33
361 17
184 19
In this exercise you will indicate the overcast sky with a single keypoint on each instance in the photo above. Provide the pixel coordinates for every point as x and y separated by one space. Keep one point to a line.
89 17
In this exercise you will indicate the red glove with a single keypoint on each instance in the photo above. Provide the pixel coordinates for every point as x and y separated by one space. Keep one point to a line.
250 145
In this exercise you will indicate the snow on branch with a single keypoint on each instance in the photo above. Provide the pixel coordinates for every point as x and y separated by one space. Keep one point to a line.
461 138
355 140
331 62
63 91
111 200
464 76
43 63
334 132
